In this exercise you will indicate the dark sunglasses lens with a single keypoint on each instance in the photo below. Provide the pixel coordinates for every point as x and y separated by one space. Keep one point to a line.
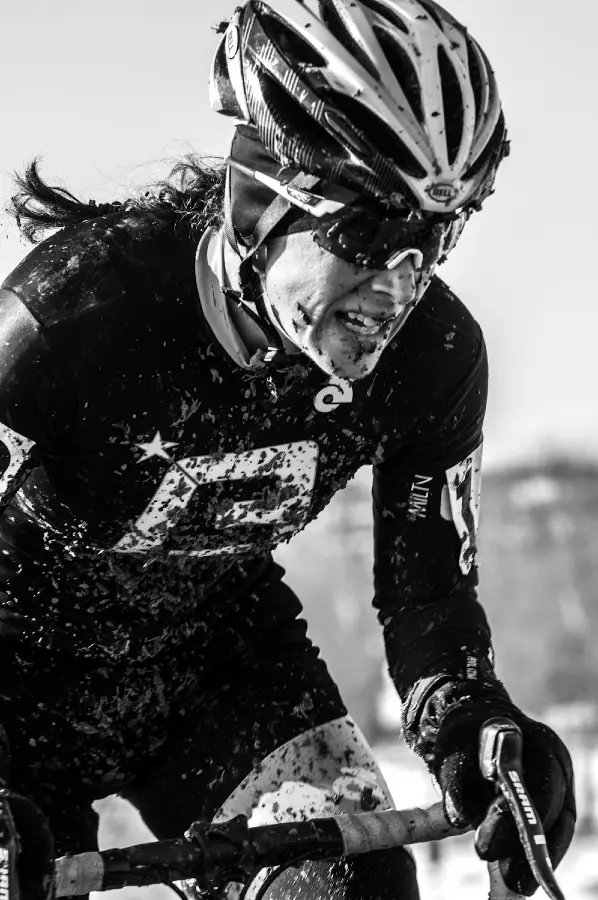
370 241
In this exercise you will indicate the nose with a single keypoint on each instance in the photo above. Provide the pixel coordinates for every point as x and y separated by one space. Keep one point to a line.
399 282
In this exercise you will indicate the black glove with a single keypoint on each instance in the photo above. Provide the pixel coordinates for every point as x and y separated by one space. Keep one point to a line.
444 727
35 861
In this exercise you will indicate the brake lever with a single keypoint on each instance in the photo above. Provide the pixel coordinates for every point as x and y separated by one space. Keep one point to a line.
500 758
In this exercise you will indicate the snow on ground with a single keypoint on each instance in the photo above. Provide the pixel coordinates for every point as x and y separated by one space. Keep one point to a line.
457 872
447 871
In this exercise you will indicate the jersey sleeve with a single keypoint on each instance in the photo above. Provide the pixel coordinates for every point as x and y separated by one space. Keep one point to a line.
29 387
426 507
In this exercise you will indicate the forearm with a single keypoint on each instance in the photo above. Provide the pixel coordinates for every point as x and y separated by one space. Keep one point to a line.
439 656
442 636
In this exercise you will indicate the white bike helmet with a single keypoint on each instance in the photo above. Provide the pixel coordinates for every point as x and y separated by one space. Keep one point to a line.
392 99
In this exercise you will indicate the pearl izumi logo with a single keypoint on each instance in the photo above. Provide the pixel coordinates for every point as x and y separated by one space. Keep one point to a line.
337 391
442 192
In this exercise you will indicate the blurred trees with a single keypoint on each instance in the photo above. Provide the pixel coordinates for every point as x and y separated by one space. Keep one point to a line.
539 576
539 583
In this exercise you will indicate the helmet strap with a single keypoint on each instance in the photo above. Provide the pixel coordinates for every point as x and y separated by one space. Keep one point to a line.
253 302
231 234
251 299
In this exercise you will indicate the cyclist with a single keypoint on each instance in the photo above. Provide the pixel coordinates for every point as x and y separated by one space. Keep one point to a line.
187 379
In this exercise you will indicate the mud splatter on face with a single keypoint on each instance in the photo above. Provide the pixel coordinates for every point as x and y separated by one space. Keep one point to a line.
340 315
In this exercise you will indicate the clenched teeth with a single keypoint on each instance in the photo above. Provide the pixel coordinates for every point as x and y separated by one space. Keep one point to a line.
361 323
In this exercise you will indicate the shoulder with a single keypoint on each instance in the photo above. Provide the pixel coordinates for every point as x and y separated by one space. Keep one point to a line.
442 313
440 342
86 266
433 383
435 372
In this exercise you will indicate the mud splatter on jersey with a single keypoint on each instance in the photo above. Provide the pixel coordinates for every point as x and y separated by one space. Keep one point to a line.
145 471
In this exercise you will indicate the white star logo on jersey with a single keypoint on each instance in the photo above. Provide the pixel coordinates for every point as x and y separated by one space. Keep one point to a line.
156 447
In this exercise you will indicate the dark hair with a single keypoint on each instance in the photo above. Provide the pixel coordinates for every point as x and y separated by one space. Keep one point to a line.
192 194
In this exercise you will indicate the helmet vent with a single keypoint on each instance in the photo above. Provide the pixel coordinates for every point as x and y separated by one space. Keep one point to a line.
335 23
453 104
492 148
292 118
388 15
476 78
432 12
297 50
404 70
379 134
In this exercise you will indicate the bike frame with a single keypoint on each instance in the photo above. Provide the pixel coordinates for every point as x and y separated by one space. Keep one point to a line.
218 854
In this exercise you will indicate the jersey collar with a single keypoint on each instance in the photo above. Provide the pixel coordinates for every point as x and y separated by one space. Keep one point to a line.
209 276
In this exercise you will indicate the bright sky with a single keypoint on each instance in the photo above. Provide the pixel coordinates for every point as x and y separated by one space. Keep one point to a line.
105 92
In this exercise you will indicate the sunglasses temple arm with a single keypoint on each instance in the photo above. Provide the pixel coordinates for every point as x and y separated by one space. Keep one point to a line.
312 203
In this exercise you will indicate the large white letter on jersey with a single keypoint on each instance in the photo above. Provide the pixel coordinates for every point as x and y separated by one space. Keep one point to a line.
293 464
15 451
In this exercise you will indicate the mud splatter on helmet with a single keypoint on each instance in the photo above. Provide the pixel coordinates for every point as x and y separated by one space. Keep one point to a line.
392 99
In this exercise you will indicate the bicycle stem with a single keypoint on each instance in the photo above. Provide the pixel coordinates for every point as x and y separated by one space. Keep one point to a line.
500 755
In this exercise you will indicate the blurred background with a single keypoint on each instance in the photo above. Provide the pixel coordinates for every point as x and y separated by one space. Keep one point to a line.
111 94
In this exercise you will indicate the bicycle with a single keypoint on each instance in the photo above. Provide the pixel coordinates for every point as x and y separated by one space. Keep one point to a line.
215 855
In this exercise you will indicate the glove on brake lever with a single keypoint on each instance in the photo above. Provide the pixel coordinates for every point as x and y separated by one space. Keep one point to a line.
500 763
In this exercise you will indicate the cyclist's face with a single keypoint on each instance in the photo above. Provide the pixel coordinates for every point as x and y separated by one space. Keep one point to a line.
340 315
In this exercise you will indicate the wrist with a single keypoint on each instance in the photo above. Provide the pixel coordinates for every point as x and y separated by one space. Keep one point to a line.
435 702
443 637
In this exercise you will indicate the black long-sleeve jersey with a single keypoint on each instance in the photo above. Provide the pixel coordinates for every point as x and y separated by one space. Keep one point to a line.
142 469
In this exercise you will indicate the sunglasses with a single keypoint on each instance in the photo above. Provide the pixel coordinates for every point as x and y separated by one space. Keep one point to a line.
367 235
